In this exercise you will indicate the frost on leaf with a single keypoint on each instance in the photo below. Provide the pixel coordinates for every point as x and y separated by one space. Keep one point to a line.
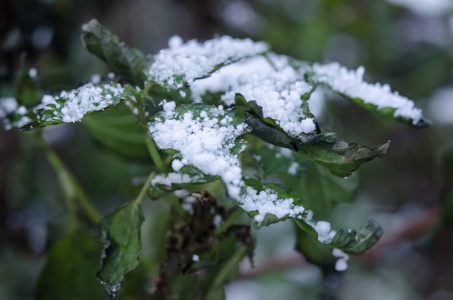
270 82
73 106
266 205
377 97
182 63
271 203
186 176
205 137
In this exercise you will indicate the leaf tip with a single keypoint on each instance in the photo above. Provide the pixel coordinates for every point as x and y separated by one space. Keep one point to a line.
382 149
87 26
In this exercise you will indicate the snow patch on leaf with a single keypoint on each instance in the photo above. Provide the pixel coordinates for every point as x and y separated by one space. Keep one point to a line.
175 178
350 83
205 139
271 82
78 102
268 202
184 62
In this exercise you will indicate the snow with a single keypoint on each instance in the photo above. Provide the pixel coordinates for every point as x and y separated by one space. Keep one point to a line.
182 193
169 107
187 203
217 221
95 78
283 152
202 142
171 178
32 73
342 262
205 141
206 145
324 230
185 62
292 170
85 99
22 110
9 106
176 165
268 202
351 84
270 81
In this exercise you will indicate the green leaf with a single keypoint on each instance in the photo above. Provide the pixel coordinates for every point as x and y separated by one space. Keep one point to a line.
275 160
347 240
350 242
269 133
227 273
373 97
127 62
313 251
70 269
118 129
73 106
323 190
251 106
121 242
160 93
340 157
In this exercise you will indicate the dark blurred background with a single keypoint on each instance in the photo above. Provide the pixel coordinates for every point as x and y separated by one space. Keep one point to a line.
408 44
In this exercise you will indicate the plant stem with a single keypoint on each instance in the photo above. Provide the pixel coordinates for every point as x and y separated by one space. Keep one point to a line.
145 188
154 153
70 185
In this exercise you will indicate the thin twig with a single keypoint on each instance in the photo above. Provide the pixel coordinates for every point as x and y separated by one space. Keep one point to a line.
145 188
69 183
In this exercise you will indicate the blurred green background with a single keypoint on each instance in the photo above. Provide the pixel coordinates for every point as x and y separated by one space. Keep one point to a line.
408 44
